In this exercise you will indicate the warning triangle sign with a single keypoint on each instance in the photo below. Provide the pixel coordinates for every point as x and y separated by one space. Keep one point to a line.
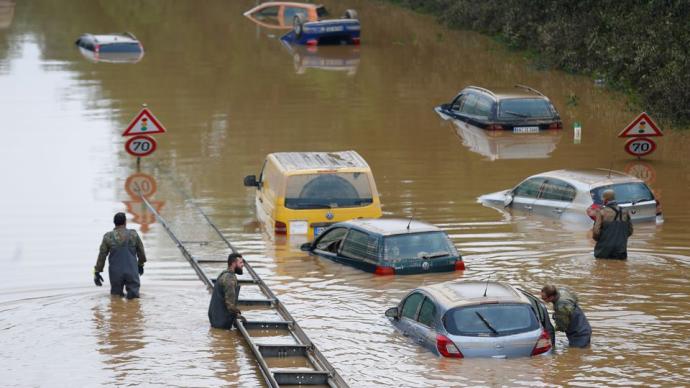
642 126
144 123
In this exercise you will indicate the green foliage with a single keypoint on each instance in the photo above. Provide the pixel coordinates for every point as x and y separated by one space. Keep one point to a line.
637 46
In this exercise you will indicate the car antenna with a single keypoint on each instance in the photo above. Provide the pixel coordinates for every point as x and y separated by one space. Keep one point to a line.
408 224
487 284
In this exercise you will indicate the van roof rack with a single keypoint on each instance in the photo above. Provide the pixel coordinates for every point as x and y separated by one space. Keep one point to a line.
483 90
530 89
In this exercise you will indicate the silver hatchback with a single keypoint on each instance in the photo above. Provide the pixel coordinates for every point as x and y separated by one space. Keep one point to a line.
475 319
576 194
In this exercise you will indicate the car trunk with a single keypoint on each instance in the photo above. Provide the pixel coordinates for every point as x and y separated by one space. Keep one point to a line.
516 345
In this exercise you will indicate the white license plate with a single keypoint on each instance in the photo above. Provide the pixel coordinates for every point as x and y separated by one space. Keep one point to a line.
318 230
525 129
333 29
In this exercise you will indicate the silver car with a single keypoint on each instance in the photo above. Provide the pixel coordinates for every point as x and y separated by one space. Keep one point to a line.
475 319
577 194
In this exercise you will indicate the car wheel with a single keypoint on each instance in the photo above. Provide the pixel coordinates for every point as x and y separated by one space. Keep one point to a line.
298 25
350 14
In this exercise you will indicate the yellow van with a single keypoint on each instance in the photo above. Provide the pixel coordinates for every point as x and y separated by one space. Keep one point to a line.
302 193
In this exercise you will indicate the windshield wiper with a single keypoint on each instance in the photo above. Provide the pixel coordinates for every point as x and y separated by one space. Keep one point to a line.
435 255
486 322
313 206
640 200
514 113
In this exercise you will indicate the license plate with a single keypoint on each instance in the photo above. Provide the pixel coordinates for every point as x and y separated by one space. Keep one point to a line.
333 29
318 230
525 129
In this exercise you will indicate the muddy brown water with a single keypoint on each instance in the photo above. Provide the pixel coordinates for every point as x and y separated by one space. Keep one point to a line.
228 93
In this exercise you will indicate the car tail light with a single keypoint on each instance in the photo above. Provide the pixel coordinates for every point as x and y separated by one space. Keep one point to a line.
495 127
556 125
592 211
97 48
658 208
459 265
447 348
382 270
280 228
355 40
312 42
543 344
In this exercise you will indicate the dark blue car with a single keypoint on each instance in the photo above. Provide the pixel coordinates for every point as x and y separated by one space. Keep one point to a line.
322 32
388 246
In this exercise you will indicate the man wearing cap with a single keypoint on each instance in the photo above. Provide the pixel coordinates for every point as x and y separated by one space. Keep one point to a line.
223 311
568 315
122 247
612 227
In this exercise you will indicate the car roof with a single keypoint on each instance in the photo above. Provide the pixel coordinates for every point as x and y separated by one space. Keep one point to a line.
287 3
294 161
519 91
591 177
124 37
392 226
471 292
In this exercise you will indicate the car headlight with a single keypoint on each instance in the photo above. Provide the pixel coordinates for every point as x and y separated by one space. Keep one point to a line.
299 227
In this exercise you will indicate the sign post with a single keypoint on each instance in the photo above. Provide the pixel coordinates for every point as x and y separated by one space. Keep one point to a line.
143 124
640 130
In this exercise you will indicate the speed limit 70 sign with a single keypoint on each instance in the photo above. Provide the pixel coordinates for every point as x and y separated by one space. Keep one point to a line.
140 145
640 146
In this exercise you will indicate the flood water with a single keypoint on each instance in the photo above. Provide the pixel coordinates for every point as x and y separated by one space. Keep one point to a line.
229 93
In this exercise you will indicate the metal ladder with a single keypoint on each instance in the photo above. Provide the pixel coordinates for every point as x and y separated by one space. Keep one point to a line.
320 371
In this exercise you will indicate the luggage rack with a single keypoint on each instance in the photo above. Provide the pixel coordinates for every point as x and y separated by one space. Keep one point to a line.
313 369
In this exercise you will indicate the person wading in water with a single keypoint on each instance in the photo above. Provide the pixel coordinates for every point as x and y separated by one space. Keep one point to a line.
611 229
121 246
223 311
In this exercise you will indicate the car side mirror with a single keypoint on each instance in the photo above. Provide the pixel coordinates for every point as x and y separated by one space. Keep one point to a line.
250 181
392 313
508 199
306 247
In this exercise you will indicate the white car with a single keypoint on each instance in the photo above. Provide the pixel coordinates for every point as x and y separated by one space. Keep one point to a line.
578 193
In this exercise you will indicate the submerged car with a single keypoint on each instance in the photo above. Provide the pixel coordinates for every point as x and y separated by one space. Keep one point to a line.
519 110
345 30
388 246
116 48
578 192
281 14
475 319
328 58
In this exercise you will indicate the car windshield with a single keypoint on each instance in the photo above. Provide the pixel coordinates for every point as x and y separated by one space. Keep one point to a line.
417 246
625 192
524 108
326 191
495 319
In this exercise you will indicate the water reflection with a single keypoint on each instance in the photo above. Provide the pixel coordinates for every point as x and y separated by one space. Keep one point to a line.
136 185
111 57
119 328
331 58
6 13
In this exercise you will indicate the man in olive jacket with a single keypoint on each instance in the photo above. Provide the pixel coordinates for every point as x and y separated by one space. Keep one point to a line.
568 315
223 311
611 229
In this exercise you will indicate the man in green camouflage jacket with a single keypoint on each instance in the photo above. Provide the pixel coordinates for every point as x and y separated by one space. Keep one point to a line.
223 311
568 315
122 247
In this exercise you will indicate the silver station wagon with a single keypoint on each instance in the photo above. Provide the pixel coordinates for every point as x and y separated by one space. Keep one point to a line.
576 194
475 319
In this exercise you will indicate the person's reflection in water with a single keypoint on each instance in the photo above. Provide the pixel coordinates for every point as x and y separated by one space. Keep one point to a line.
120 334
224 347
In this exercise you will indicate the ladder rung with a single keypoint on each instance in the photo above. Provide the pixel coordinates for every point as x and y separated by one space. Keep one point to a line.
287 350
256 302
202 261
300 377
246 281
250 325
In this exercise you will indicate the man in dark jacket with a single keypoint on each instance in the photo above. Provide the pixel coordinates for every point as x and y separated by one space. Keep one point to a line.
568 315
611 230
223 310
122 247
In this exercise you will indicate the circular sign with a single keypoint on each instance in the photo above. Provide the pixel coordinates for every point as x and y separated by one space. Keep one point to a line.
140 183
640 146
642 171
141 145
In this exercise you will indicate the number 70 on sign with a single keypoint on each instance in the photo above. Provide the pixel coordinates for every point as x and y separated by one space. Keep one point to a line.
140 145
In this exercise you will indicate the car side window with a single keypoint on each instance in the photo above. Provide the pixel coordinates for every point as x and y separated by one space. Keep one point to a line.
558 190
457 103
360 245
412 305
427 312
330 241
483 107
468 106
290 12
529 188
267 12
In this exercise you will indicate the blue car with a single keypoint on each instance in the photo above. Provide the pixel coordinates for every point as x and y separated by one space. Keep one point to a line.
388 246
323 32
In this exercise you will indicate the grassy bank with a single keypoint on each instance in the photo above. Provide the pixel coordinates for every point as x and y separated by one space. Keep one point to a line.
639 47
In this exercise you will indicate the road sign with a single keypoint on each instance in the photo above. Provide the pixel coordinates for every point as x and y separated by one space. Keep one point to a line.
141 145
144 123
642 126
140 183
641 170
640 146
141 214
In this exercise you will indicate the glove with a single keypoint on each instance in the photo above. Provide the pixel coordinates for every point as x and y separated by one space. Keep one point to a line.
242 319
141 270
97 278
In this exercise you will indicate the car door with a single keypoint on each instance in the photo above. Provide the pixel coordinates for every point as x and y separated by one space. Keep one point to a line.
360 249
542 314
426 322
526 193
554 198
328 244
408 315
